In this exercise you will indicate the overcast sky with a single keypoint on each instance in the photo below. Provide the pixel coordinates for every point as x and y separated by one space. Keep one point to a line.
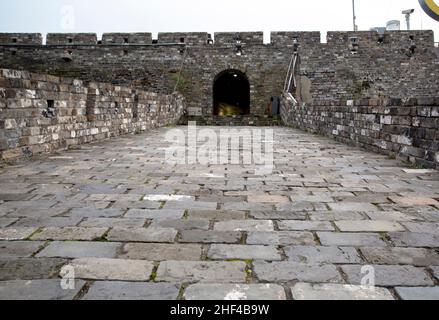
101 16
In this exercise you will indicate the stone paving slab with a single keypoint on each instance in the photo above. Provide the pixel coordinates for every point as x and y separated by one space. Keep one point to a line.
161 252
150 234
155 214
308 291
350 239
242 252
179 224
72 249
394 216
203 271
412 239
112 222
103 290
317 255
37 290
202 236
403 256
369 226
422 227
245 225
70 233
276 272
48 222
19 249
10 234
280 238
277 215
95 213
30 268
251 292
418 293
390 276
217 215
305 225
112 269
336 216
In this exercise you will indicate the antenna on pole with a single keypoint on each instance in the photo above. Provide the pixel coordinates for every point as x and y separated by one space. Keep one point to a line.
354 17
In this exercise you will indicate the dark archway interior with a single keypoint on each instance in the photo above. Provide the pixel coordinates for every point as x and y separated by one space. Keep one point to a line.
231 94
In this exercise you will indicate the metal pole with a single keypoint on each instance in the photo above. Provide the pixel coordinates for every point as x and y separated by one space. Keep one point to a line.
354 16
407 18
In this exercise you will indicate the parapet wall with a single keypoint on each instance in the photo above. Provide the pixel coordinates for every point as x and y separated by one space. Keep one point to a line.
406 128
278 38
42 113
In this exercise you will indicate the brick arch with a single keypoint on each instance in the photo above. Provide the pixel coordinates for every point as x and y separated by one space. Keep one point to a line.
231 93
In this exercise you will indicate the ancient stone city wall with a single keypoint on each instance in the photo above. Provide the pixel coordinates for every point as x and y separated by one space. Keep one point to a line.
351 65
42 113
406 128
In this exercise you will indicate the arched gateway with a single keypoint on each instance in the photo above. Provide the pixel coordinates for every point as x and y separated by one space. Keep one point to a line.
231 94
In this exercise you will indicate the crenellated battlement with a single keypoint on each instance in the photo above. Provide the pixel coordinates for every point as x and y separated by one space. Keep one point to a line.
424 38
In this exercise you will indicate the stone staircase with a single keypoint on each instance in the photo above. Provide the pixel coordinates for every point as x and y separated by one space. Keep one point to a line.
250 120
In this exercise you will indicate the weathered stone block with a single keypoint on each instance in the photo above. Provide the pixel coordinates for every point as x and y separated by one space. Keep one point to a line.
317 255
245 225
350 239
307 291
112 269
394 256
150 234
289 271
80 250
201 236
103 290
418 293
235 292
242 252
389 276
70 233
210 272
37 290
282 238
161 252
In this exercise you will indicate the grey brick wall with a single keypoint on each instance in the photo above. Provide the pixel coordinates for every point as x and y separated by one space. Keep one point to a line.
42 113
408 128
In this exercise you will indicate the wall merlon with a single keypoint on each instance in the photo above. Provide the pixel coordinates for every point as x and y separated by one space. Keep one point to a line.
21 38
127 38
191 38
245 37
71 38
286 38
